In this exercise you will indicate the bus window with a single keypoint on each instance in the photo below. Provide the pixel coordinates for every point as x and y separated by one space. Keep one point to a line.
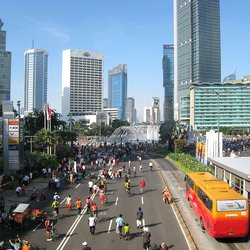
205 199
190 182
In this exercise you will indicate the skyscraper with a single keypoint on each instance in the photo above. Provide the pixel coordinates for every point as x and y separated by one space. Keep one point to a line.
117 89
130 110
82 83
197 47
5 67
168 82
36 78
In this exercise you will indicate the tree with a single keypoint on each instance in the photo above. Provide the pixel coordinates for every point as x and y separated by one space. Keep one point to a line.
166 131
119 123
179 136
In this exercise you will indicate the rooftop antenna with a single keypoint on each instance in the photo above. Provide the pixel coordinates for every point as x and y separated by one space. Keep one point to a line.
33 43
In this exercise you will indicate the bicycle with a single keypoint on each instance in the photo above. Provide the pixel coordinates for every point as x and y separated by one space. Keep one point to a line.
53 232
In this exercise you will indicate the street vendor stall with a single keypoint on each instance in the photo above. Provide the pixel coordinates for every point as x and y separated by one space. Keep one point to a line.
21 216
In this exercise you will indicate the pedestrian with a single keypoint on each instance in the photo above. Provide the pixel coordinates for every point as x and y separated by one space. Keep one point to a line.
163 246
88 203
127 231
92 223
79 206
146 238
85 246
139 217
69 202
48 227
102 197
18 191
90 184
119 224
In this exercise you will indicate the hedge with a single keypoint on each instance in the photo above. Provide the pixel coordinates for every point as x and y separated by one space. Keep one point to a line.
188 163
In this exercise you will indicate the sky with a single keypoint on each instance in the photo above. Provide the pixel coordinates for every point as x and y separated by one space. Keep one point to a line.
128 32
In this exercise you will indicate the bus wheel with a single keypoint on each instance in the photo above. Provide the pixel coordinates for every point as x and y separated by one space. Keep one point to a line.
202 224
189 203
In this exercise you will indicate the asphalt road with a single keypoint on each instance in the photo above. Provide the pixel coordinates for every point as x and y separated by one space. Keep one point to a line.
73 229
159 217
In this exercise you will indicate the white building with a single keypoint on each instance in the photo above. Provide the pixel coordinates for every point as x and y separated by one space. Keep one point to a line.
146 115
130 110
36 78
82 83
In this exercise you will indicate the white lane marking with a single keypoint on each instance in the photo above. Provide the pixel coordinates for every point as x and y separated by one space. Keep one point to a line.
181 227
142 201
37 227
77 185
63 200
110 224
116 201
73 227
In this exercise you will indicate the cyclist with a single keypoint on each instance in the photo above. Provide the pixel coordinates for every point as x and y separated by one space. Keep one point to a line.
56 197
88 203
150 166
48 226
127 187
55 205
94 209
140 167
142 184
134 171
146 238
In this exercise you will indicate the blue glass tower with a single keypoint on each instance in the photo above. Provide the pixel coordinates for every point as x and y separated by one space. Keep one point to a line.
117 89
168 82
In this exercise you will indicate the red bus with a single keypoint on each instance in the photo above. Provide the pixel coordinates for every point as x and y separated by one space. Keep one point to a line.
222 212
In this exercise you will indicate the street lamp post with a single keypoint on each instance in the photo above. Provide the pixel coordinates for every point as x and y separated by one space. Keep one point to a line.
218 122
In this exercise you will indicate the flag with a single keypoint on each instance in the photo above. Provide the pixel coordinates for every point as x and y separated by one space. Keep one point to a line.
48 112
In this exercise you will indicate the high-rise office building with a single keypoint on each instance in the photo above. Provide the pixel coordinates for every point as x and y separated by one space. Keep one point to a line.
146 115
82 83
197 48
117 89
130 110
36 78
5 67
168 82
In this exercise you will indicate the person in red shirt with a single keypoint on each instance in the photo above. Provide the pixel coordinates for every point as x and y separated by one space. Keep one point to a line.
142 184
94 209
102 197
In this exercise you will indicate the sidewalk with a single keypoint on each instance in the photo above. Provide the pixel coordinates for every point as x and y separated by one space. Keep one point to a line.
41 185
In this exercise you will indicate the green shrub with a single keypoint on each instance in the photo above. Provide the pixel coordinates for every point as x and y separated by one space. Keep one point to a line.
188 163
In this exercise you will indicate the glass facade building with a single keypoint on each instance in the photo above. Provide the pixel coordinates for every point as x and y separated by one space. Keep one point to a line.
220 105
197 45
117 89
36 78
5 68
168 82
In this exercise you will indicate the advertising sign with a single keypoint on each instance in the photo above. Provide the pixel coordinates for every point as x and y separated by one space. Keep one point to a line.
231 205
13 125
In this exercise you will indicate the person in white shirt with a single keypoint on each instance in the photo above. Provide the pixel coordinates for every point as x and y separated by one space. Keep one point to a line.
18 191
56 197
91 184
92 223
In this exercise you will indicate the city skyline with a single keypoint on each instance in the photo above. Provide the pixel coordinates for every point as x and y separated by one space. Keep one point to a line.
128 37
